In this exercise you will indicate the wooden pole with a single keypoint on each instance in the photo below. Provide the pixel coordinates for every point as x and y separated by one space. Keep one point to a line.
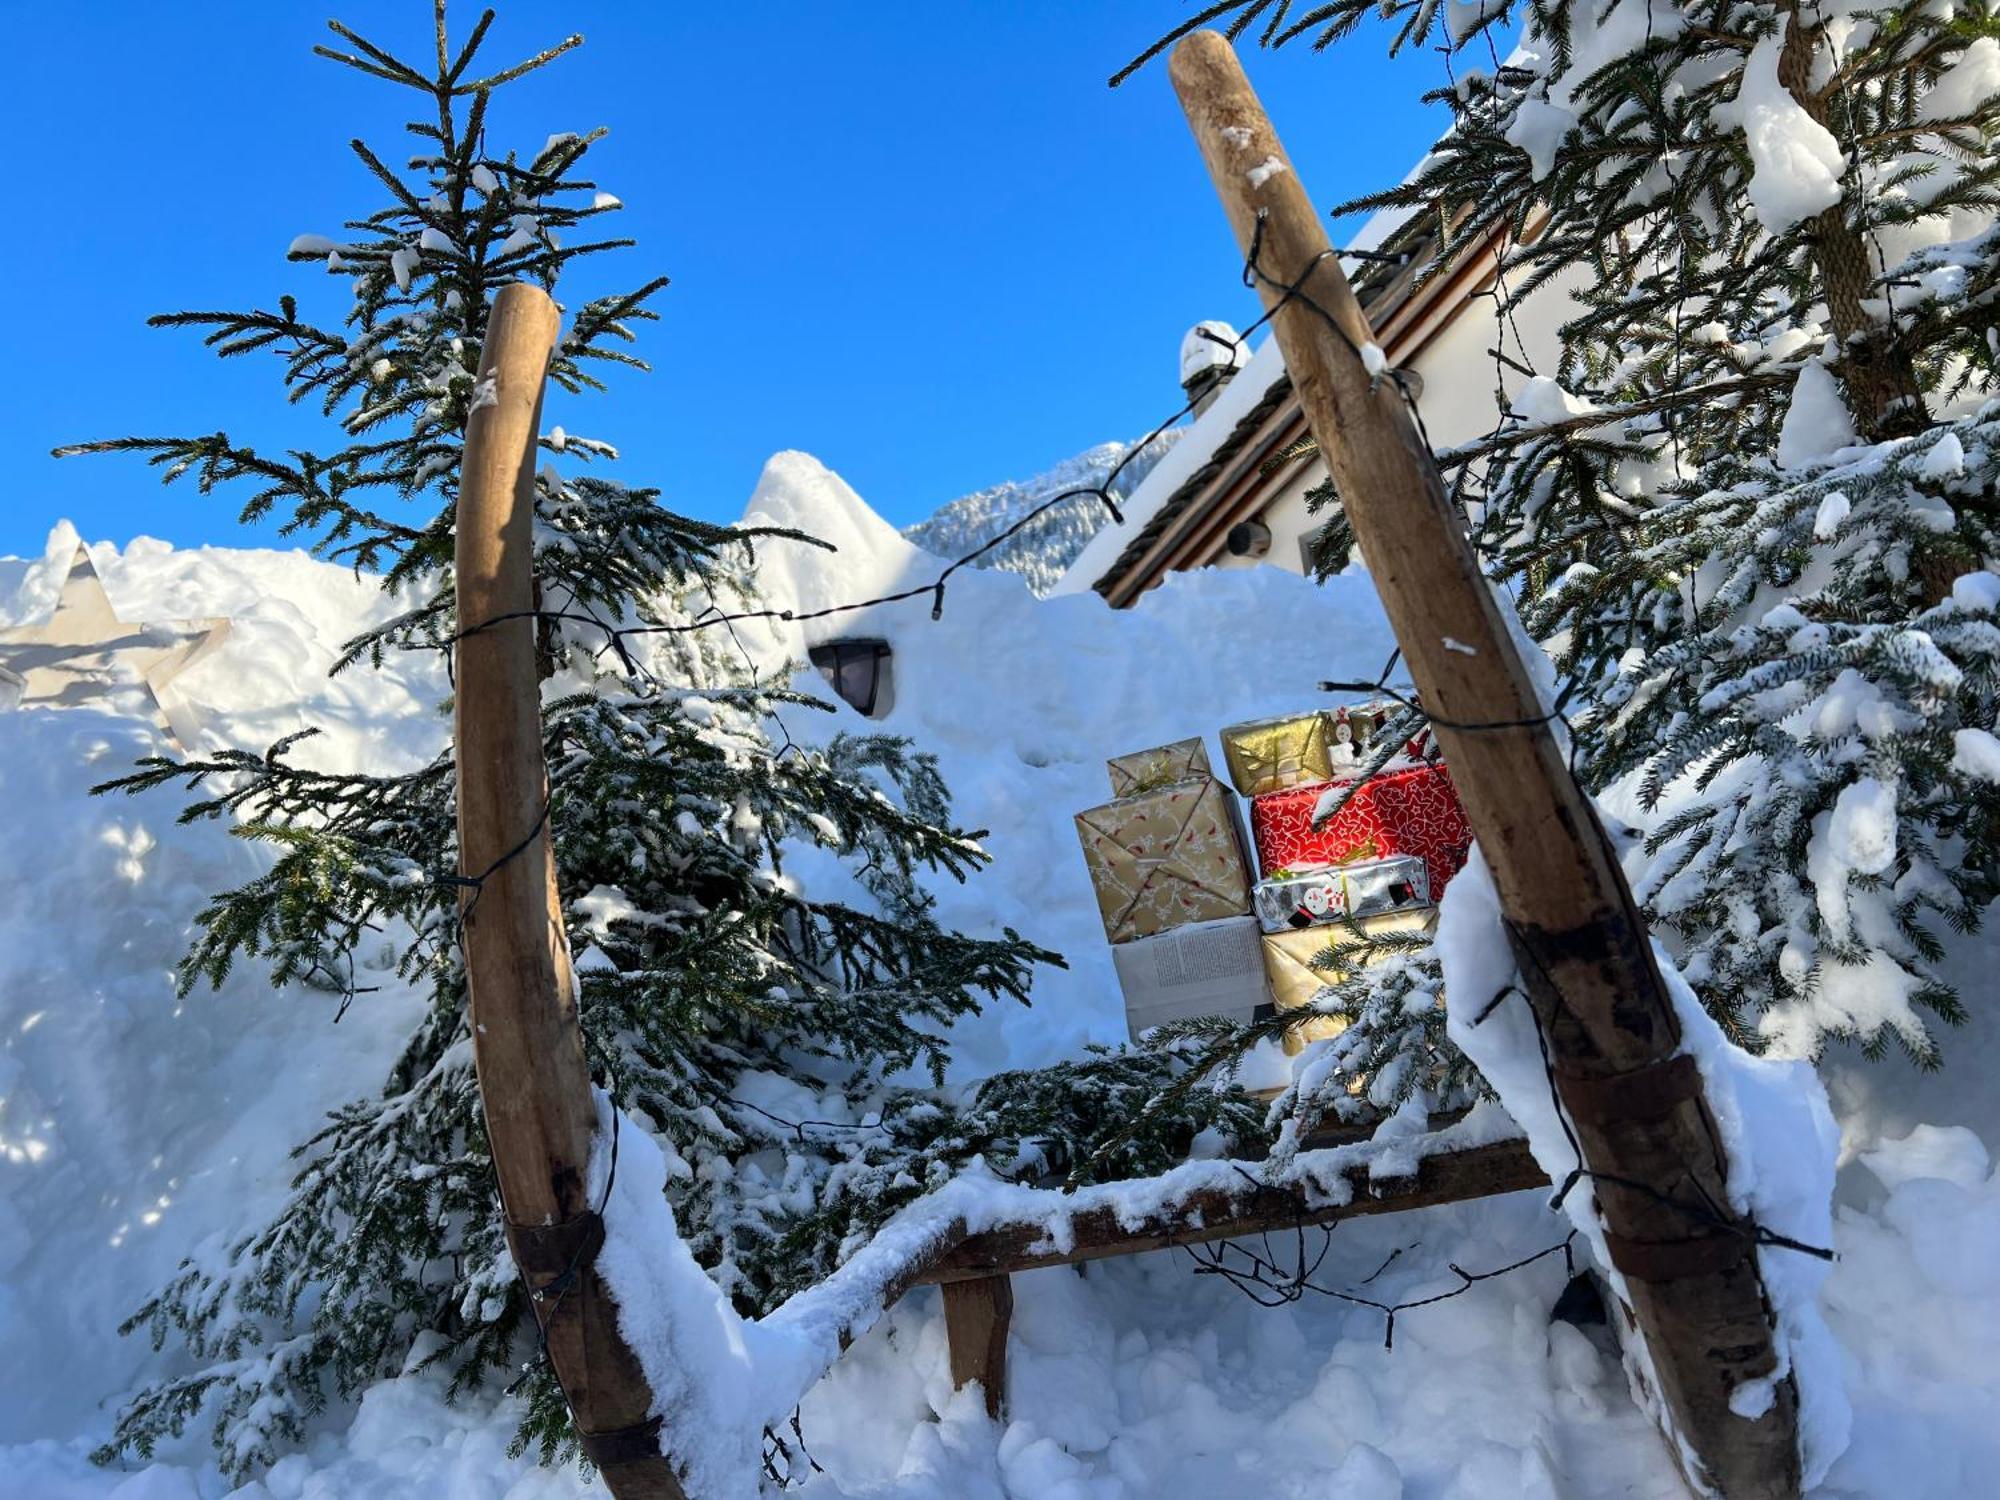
1696 1291
977 1313
534 1081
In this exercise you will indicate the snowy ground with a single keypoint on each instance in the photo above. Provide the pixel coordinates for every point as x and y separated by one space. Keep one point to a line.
134 1127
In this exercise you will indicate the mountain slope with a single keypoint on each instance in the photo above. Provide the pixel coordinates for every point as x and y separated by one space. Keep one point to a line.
1043 549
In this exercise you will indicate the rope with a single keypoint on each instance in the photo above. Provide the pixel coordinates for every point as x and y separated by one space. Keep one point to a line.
1264 1280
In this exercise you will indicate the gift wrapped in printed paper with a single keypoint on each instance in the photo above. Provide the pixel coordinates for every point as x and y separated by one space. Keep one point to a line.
1271 754
1165 858
1292 898
1143 770
1289 964
1414 811
1204 969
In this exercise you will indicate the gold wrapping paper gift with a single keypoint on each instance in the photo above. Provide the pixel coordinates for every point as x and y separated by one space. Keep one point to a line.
1294 981
1165 858
1143 770
1269 755
1351 731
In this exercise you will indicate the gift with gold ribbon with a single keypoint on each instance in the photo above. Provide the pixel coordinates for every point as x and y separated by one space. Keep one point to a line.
1143 770
1268 755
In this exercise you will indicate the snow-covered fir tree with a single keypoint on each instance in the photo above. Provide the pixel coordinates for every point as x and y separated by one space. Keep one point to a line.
766 1032
1751 511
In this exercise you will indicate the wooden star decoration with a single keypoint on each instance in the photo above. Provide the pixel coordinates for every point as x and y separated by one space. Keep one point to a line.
84 655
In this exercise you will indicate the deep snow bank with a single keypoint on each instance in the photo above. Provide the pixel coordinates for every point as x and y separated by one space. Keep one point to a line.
1136 1380
136 1128
1023 699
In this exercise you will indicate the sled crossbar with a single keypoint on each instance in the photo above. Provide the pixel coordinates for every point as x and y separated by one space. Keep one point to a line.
973 1273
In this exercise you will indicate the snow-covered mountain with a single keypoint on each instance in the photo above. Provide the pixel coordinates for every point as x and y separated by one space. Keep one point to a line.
1041 551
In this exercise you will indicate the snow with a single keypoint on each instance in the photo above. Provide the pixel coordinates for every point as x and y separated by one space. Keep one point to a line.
1795 161
1816 423
1953 1155
1043 549
1946 460
1211 343
523 238
1265 170
135 1128
719 1380
1861 833
1830 516
1976 593
1975 752
1541 401
1915 1300
1972 79
1538 128
1266 365
1133 1381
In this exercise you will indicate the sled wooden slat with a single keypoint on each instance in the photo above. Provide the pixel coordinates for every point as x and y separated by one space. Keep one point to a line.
1448 1177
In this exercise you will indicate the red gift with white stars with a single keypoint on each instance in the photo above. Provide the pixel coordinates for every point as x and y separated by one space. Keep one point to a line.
1414 811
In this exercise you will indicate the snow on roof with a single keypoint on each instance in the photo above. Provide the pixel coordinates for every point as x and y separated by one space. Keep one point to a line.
1189 454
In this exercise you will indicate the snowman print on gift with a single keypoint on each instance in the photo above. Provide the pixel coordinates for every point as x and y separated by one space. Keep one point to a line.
1342 752
1317 902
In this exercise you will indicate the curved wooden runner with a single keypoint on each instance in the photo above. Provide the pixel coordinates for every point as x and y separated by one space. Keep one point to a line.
534 1081
1657 1160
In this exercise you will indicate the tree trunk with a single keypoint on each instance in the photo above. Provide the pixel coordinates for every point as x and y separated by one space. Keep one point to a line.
1881 379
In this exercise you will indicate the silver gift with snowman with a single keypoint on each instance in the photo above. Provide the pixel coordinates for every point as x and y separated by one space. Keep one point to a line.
1335 893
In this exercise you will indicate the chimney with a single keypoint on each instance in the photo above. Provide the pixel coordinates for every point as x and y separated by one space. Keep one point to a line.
1211 354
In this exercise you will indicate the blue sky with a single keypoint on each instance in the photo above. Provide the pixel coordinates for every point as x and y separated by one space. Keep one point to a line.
924 242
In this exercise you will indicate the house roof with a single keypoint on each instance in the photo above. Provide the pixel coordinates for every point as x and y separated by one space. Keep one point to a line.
1179 518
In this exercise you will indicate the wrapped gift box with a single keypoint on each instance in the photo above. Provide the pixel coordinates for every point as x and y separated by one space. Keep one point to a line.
1207 969
1294 981
1271 754
1349 733
1142 770
1363 725
1415 811
1165 858
1302 898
